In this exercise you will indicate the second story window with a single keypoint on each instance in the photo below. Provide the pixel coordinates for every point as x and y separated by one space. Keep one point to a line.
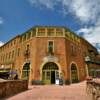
12 54
9 55
27 51
73 50
24 37
18 52
27 47
50 47
28 35
50 32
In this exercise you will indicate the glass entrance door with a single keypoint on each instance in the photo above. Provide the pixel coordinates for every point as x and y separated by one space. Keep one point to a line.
49 73
52 77
46 76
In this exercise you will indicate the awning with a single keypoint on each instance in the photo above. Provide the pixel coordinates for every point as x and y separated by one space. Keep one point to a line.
4 70
12 72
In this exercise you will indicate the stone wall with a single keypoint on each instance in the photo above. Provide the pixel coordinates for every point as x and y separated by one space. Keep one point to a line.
9 88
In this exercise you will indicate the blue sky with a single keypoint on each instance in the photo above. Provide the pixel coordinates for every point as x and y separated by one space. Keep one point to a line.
81 16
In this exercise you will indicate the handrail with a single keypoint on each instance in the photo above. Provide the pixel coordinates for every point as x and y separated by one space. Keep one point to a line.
93 87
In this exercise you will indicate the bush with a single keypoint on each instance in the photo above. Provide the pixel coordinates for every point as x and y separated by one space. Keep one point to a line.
67 82
61 82
75 81
37 82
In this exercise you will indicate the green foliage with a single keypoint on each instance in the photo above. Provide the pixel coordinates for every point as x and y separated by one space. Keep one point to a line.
37 82
67 82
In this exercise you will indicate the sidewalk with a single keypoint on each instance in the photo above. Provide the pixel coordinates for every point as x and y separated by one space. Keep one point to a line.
54 92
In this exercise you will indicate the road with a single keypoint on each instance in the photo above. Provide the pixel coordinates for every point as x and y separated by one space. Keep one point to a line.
54 92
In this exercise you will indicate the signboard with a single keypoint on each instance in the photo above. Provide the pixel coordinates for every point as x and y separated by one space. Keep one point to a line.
50 59
57 82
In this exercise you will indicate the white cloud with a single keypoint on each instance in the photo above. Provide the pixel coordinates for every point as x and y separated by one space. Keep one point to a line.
92 34
84 30
1 43
1 20
86 11
50 4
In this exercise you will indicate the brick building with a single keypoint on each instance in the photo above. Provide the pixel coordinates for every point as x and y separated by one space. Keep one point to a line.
47 53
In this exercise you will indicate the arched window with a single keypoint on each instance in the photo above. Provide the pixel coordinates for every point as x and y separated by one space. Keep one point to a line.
74 74
26 71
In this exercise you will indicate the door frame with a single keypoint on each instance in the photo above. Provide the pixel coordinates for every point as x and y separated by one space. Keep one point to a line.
58 65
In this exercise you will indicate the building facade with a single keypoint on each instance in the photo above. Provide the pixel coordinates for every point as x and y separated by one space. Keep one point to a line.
47 53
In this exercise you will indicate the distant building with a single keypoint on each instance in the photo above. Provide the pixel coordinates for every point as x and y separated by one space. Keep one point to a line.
48 53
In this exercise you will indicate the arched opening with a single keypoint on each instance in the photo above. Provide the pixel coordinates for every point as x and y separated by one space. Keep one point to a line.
74 74
50 72
26 71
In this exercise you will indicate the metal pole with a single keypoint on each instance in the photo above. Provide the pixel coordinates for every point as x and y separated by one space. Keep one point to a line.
87 71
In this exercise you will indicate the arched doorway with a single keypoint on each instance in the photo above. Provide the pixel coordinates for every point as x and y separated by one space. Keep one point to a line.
50 72
26 71
74 74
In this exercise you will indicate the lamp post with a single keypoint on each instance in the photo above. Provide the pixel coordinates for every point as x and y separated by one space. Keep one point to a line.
87 60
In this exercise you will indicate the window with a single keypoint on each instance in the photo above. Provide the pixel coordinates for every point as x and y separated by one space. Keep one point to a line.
18 52
59 32
33 32
14 42
29 35
28 46
41 32
6 56
66 35
50 32
11 44
9 55
1 58
21 39
50 47
8 45
73 50
27 51
12 54
26 71
24 37
48 75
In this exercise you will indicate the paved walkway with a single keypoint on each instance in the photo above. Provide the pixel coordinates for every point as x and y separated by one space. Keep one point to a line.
54 92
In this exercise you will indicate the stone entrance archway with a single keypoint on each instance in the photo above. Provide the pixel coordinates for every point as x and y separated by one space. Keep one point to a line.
74 74
50 72
26 71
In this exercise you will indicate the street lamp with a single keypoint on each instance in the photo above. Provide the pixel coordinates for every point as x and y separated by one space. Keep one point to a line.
87 59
